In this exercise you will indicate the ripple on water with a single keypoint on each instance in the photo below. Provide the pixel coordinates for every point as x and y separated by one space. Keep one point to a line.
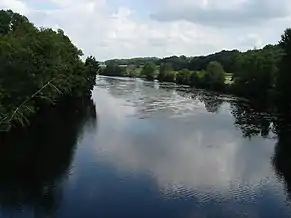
201 159
150 100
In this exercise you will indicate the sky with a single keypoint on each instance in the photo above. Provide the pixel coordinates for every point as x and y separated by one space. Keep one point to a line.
110 29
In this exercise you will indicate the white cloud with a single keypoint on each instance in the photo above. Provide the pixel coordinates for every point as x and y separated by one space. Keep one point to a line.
124 31
226 13
15 5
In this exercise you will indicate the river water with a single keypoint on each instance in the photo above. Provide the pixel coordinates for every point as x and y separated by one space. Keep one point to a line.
152 150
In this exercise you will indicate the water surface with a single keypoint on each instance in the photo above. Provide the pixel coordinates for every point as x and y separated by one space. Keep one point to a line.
154 150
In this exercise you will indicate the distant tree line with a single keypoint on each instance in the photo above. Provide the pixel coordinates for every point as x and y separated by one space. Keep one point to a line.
258 73
133 61
38 66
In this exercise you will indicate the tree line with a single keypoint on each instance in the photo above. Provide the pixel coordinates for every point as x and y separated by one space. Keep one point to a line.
257 73
38 66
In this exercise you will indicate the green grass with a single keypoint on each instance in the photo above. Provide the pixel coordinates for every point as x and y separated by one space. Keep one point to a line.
228 77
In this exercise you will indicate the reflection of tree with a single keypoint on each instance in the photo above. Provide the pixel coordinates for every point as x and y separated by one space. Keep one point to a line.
282 155
211 101
251 120
34 161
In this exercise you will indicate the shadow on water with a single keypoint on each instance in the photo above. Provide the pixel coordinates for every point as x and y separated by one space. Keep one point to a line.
212 102
34 161
282 155
252 119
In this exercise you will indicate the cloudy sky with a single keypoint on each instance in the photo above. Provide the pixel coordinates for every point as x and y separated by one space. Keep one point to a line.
127 28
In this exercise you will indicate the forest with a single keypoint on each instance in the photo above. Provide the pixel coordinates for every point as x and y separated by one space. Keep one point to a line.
38 67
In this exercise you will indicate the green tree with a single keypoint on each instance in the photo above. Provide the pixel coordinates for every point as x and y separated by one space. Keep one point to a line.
149 71
226 58
10 21
178 63
284 74
38 66
256 75
183 77
112 69
92 65
214 76
165 69
171 76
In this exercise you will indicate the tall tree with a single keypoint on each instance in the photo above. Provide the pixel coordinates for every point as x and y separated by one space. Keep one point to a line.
92 65
284 75
183 77
149 71
164 71
37 67
256 74
112 69
214 76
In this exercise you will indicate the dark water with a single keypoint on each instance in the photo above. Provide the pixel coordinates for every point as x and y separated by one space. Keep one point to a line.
153 150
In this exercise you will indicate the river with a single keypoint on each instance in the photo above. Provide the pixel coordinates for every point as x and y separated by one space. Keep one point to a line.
151 150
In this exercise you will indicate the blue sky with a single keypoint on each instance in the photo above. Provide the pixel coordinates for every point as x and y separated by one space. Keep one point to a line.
130 28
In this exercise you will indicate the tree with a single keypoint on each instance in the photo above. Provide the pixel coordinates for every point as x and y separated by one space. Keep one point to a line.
39 66
178 63
214 76
256 75
170 76
140 61
112 69
149 71
226 58
165 69
10 21
92 65
183 77
284 74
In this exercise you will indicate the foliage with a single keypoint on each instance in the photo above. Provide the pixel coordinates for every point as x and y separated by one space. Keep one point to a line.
37 67
149 70
171 76
132 71
214 76
226 58
177 63
133 61
165 73
92 65
112 69
183 77
196 79
256 74
284 74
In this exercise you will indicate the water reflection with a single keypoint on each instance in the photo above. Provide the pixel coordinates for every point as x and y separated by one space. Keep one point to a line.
191 154
282 154
159 150
251 120
211 101
33 162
